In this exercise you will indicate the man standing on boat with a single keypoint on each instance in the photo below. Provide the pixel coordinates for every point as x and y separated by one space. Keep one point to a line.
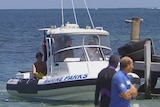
67 53
122 88
103 85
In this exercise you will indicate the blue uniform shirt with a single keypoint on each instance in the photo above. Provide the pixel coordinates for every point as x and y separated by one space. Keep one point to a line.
120 83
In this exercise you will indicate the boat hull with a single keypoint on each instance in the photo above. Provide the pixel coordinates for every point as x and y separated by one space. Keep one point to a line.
82 90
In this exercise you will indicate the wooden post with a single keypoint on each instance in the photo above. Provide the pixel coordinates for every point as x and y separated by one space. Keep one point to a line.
147 59
135 32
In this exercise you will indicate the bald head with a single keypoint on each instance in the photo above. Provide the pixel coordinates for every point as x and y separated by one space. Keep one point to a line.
126 64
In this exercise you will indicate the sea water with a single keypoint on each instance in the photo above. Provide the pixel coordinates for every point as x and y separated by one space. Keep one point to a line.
20 40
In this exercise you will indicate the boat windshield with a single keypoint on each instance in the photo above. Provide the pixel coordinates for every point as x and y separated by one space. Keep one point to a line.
63 41
81 47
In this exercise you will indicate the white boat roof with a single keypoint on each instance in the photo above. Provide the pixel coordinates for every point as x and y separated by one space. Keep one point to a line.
75 29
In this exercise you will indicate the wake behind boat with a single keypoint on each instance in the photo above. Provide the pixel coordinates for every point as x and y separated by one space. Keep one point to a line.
74 57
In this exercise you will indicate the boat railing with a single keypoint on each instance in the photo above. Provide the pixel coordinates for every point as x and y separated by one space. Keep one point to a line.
85 46
68 48
84 52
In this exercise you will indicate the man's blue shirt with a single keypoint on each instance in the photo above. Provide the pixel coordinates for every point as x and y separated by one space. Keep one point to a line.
120 83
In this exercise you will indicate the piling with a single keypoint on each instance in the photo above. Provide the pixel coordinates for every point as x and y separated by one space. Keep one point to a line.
135 31
135 37
147 59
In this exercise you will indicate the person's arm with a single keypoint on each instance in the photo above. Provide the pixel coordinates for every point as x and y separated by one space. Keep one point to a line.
34 69
45 73
132 92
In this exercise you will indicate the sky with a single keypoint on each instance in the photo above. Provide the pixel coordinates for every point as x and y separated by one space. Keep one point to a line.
53 4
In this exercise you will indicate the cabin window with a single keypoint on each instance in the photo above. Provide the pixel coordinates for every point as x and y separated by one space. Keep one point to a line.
94 54
68 54
107 53
105 41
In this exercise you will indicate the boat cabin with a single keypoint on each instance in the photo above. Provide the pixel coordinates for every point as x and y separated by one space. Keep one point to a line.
69 44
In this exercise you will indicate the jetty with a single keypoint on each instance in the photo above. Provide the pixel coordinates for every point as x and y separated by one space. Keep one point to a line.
146 61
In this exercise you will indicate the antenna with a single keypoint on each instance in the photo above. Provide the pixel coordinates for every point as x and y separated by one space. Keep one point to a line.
75 17
89 13
62 13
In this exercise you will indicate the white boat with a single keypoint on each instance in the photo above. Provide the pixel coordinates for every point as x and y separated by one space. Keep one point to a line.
70 78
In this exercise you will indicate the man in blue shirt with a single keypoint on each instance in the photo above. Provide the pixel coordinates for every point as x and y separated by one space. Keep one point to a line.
122 89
